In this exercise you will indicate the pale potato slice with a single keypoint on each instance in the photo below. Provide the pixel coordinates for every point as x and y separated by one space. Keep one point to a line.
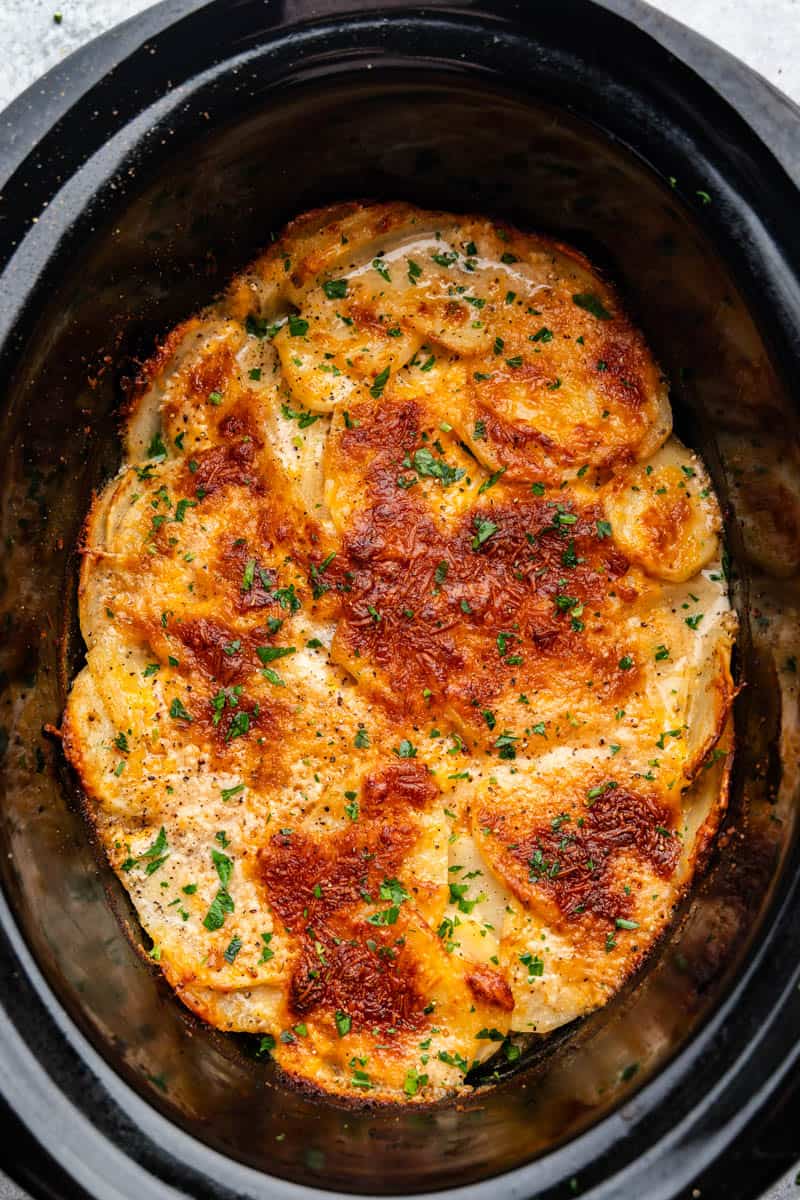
664 514
560 969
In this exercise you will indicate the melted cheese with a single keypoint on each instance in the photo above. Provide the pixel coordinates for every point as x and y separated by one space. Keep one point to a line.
404 717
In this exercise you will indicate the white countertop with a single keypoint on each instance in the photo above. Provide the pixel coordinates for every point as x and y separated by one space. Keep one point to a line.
764 33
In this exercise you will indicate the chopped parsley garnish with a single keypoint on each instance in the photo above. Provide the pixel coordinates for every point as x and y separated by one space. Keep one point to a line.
229 793
483 531
539 868
223 865
505 745
234 946
458 896
273 677
335 289
302 416
454 1060
361 740
600 789
240 725
259 326
503 639
248 575
427 465
492 480
343 1023
157 450
379 383
220 905
392 889
287 598
229 696
413 1081
178 712
318 585
222 902
298 326
406 749
181 507
361 1079
387 916
152 858
593 304
269 654
534 964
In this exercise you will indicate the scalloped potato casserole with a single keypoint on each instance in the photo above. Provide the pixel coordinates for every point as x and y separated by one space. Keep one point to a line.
405 713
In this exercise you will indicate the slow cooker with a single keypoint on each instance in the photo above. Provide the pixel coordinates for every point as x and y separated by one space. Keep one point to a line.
134 180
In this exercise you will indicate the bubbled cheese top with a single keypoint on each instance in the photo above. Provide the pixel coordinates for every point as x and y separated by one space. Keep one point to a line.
405 713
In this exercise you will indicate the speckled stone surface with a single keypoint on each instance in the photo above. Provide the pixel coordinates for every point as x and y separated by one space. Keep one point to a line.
37 34
764 33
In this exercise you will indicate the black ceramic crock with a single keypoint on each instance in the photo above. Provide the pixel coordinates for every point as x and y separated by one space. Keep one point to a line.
134 179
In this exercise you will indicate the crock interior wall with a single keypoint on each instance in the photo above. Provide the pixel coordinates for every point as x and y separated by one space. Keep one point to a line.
186 218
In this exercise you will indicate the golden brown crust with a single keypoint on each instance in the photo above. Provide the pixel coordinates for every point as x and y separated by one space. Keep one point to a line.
405 644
